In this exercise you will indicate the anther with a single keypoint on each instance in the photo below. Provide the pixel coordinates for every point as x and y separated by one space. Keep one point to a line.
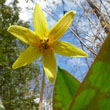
41 40
47 40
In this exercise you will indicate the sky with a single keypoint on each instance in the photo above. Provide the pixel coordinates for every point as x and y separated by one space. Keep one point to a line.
64 62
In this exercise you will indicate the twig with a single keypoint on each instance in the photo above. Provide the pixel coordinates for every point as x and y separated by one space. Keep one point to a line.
42 91
82 41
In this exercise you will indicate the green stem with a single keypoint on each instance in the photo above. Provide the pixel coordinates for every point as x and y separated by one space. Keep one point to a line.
42 91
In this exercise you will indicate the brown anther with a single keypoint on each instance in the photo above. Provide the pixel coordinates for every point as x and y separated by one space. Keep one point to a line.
47 40
41 40
44 43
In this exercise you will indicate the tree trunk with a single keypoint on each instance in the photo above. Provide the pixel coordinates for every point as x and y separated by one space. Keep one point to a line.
102 14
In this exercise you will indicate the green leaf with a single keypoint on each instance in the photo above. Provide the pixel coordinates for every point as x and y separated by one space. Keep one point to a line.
94 92
2 107
64 90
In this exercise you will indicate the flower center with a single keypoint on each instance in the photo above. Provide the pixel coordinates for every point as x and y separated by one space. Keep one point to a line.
44 43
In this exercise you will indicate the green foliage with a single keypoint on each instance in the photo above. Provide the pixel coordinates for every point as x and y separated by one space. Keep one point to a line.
15 88
94 92
64 90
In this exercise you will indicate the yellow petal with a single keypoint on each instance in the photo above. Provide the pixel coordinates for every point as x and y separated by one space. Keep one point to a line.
67 49
39 21
24 34
61 26
29 55
49 64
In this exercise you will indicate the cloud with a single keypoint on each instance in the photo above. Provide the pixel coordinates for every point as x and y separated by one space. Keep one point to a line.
76 62
27 8
26 14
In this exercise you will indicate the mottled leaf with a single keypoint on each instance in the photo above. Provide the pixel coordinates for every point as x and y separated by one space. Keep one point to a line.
2 107
94 92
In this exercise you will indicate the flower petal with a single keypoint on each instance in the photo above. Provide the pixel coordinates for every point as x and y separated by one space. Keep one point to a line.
24 34
29 55
49 63
61 26
39 21
67 49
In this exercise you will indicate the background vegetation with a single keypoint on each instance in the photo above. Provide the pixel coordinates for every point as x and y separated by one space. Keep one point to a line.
16 89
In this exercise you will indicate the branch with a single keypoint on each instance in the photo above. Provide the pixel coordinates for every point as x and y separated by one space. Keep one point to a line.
82 41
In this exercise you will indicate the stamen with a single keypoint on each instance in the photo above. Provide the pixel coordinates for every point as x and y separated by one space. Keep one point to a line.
41 40
44 43
47 40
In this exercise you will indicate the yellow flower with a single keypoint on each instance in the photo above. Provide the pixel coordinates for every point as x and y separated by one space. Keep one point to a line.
44 42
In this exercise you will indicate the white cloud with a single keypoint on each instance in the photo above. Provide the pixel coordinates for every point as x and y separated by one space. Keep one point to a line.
8 1
76 61
27 8
26 14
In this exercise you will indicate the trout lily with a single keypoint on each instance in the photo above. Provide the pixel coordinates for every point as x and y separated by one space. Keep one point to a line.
44 42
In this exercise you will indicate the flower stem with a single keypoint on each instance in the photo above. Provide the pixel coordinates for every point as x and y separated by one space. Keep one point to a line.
42 91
